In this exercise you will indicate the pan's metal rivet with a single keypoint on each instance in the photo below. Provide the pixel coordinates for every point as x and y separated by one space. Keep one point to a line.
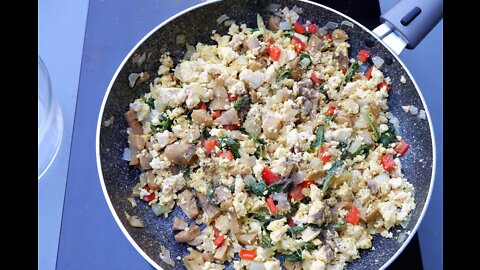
388 60
370 42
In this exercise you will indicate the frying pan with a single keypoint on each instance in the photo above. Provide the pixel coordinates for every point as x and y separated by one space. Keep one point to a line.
196 23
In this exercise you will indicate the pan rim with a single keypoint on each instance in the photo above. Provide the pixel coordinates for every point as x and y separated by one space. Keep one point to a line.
155 29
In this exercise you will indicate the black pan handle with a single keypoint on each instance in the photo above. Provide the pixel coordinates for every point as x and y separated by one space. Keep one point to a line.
412 20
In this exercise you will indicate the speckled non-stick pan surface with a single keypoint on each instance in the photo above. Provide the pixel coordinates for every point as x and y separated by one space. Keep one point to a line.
197 25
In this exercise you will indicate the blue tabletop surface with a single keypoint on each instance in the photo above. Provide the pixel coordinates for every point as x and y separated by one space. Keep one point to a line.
89 237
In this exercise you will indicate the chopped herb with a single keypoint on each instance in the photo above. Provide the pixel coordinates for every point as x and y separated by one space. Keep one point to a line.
284 74
151 103
266 242
351 71
318 140
288 33
255 29
389 136
241 103
305 56
305 200
343 146
362 150
210 194
371 124
261 143
204 131
337 225
331 172
307 246
294 257
228 143
258 189
325 46
185 169
275 188
294 230
165 124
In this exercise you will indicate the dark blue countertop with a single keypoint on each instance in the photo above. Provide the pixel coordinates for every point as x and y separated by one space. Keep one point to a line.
89 236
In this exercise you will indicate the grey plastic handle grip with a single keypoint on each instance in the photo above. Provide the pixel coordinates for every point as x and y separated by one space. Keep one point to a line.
413 19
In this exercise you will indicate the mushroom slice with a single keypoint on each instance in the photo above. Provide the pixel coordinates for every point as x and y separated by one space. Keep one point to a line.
187 203
220 99
247 239
229 117
181 153
188 234
202 117
211 210
179 224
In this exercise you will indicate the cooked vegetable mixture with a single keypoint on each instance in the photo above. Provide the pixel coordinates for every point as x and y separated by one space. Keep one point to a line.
275 141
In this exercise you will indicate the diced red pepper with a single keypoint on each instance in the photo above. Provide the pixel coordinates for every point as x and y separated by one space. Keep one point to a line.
298 45
290 222
296 193
344 70
226 154
219 239
299 28
315 79
216 114
380 85
327 38
202 106
248 254
231 98
402 147
210 145
274 52
149 197
331 110
271 206
230 127
312 28
324 154
368 74
216 233
353 215
268 176
388 163
363 55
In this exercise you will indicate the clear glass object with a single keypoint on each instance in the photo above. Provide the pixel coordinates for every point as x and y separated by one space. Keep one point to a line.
50 121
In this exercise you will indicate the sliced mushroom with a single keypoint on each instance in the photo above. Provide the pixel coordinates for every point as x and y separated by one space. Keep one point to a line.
208 257
274 23
227 204
202 117
314 44
221 253
338 35
210 210
136 142
372 215
296 70
194 260
220 99
188 234
181 153
247 239
343 62
341 119
271 126
151 180
221 194
131 117
187 203
179 224
234 226
292 265
251 43
145 159
229 117
197 241
255 65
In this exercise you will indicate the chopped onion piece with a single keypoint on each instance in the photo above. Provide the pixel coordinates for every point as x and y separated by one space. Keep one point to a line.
165 256
422 114
127 154
396 124
227 23
261 24
132 202
180 39
401 237
305 62
284 25
279 14
273 7
321 32
190 51
257 266
279 197
134 221
413 110
132 78
347 23
139 59
249 179
330 25
222 18
160 209
298 10
378 61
